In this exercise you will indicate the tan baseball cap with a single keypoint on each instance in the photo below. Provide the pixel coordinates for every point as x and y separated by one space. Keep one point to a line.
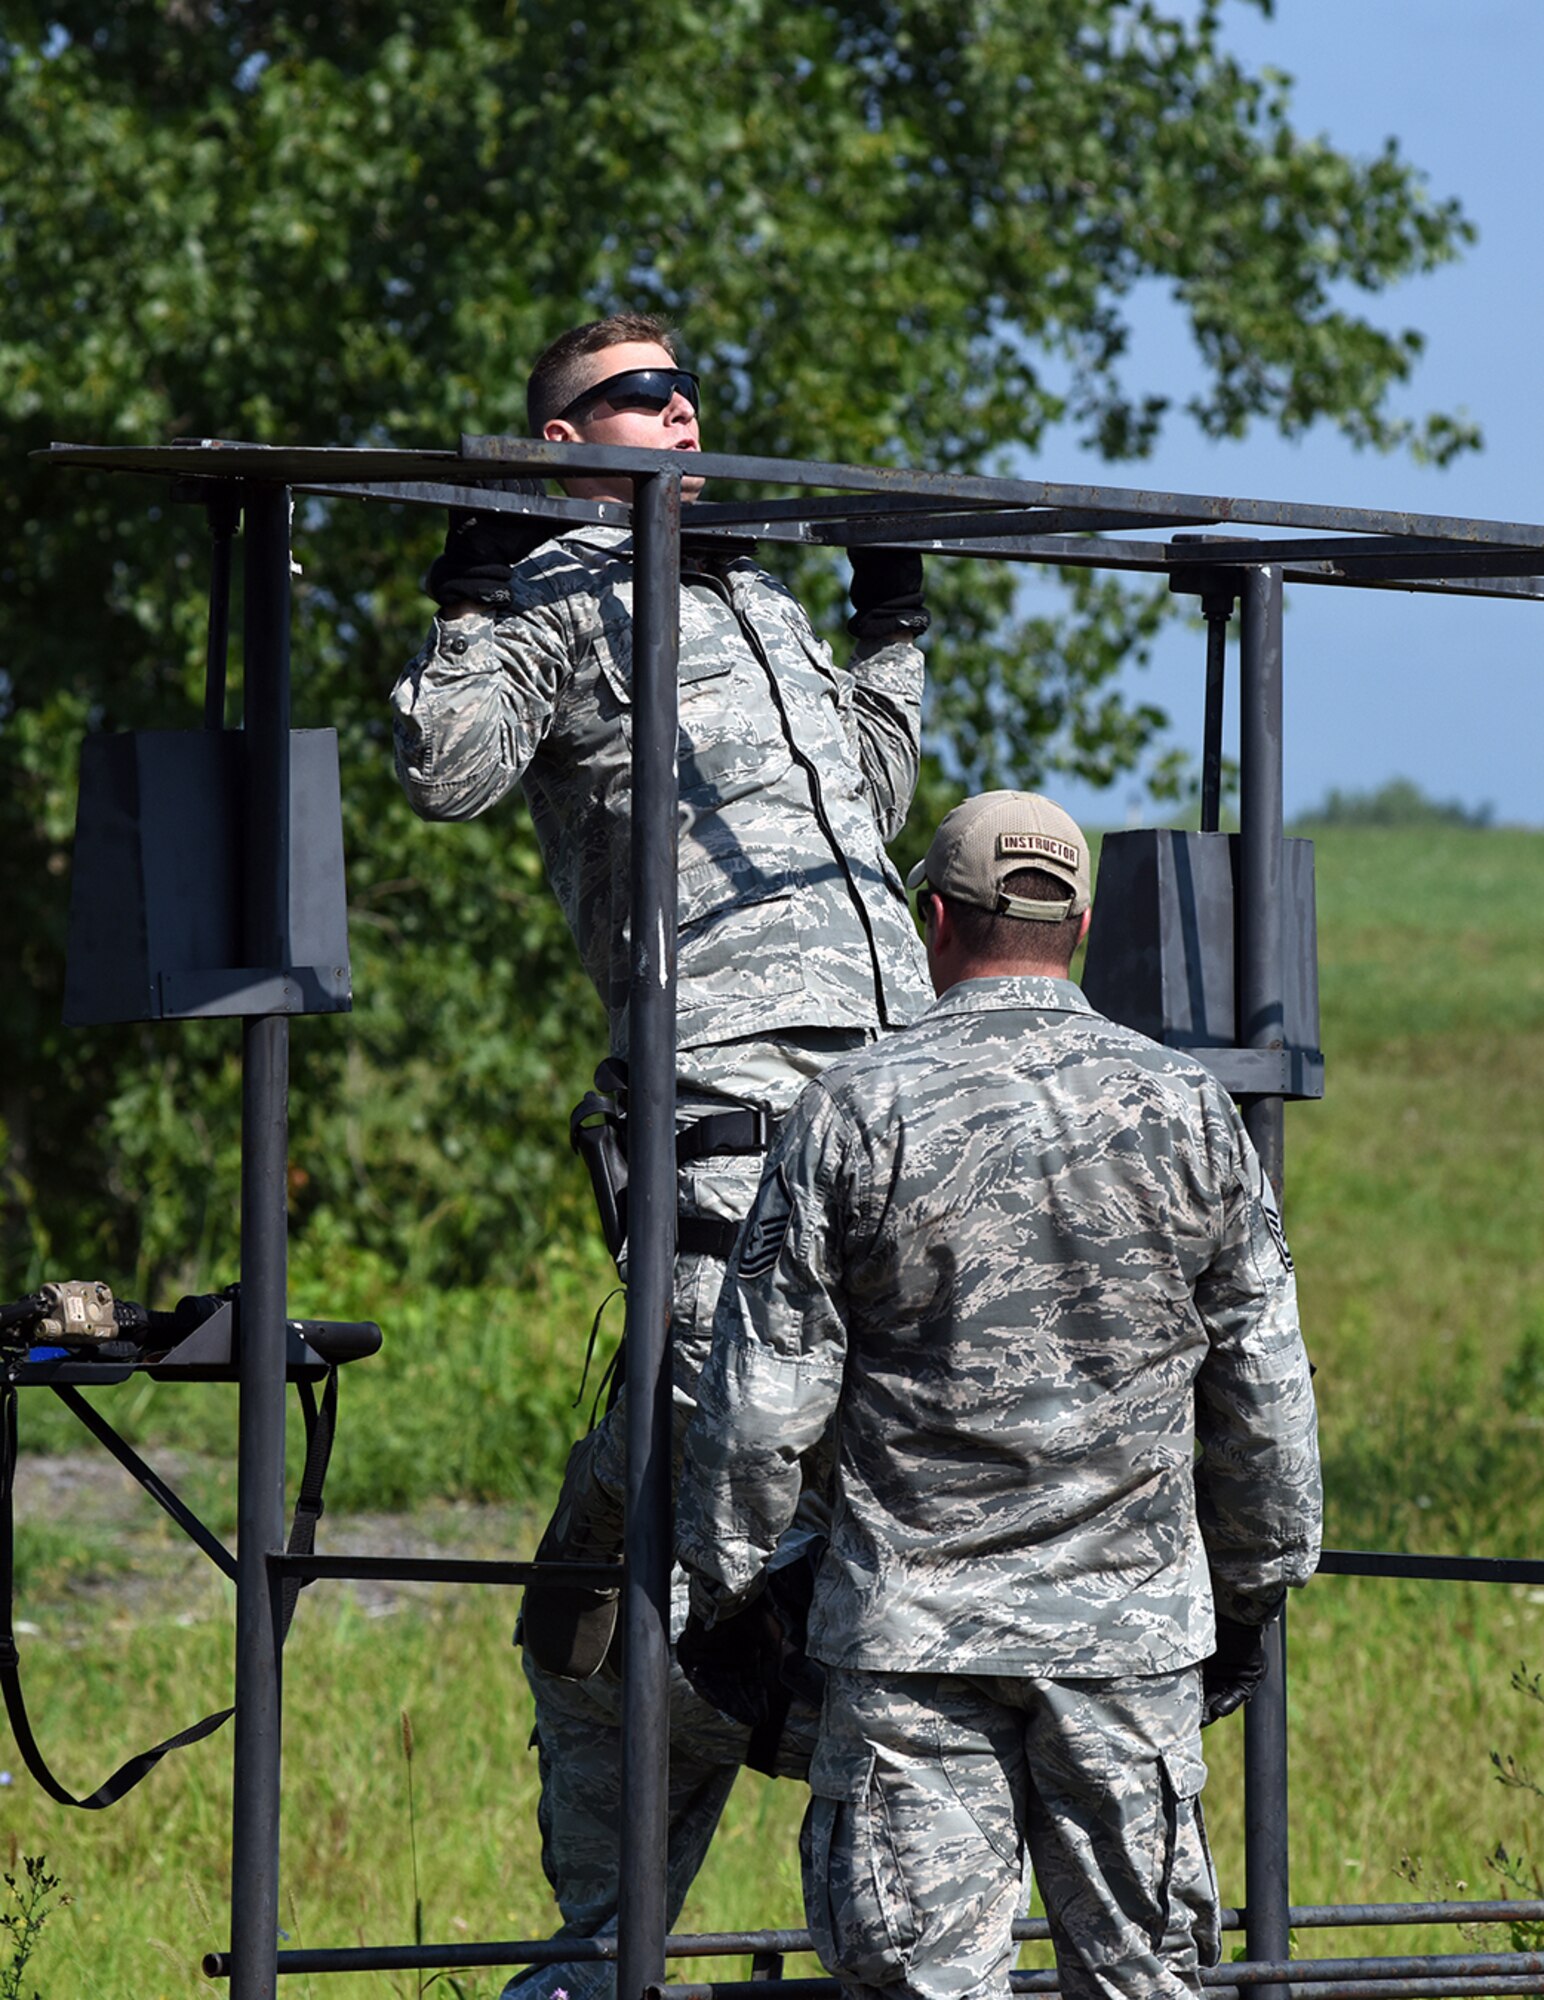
990 836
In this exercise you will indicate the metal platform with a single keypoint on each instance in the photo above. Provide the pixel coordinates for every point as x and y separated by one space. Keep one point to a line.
1263 546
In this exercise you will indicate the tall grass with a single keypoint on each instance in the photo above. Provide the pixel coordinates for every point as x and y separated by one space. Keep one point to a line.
1413 1207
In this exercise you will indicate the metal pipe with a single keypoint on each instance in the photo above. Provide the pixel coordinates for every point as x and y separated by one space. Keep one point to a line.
651 1224
1431 1569
1261 981
1260 985
451 1569
224 513
744 1944
1217 614
1350 1978
264 1255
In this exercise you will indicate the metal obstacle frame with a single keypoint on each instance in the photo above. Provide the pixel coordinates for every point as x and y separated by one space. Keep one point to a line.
1029 521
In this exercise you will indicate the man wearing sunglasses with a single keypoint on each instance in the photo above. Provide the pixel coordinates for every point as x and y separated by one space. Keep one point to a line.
795 947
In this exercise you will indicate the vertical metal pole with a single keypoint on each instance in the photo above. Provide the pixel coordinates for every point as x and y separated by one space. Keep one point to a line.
224 513
1217 609
651 1221
1262 1017
264 1254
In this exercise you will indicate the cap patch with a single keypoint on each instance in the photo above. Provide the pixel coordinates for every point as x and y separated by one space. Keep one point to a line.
1039 843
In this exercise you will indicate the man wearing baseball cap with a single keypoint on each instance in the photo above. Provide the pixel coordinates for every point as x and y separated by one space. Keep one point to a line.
1017 1268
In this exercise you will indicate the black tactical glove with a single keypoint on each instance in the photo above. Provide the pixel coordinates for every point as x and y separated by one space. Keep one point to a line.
1233 1672
886 593
751 1666
482 548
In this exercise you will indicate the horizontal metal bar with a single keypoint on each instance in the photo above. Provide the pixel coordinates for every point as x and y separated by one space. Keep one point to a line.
1367 551
1436 1569
1406 1989
1449 564
850 506
747 1944
483 499
1005 522
519 1951
1295 1073
498 456
1357 1978
1354 1916
447 1569
1319 1971
1435 586
1158 507
1092 552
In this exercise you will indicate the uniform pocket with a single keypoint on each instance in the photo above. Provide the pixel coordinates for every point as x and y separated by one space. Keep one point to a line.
855 1899
1190 1882
695 669
734 943
990 1806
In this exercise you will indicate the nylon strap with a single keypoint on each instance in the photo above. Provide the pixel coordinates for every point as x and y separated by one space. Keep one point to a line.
321 1426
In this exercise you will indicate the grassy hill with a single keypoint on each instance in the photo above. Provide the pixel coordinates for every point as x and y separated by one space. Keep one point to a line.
1412 1201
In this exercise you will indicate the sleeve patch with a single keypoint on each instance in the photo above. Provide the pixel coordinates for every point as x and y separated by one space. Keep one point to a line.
1272 1214
766 1227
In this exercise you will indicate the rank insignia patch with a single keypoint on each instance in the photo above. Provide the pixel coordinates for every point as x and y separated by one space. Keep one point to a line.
761 1243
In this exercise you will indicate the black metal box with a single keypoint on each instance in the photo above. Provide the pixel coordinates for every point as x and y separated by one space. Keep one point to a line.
1163 955
155 898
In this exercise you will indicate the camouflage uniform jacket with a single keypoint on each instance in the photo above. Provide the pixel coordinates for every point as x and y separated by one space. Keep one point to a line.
793 775
1029 1262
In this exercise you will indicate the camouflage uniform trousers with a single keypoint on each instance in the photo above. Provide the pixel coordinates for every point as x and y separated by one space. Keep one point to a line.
929 1788
578 1723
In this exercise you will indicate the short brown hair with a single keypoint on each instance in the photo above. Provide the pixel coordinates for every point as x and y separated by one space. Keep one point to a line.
989 936
556 378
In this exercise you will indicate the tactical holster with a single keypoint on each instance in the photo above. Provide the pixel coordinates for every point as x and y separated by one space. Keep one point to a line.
597 1131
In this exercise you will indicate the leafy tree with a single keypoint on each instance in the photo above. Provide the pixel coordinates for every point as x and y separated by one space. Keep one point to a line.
893 230
1400 802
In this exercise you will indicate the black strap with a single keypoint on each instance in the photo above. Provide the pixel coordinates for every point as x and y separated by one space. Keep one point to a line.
767 1733
746 1130
705 1236
321 1427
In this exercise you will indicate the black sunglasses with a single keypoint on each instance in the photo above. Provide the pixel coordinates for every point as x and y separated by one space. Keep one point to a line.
638 389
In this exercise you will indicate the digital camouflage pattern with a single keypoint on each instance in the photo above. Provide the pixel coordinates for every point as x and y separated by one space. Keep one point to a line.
795 945
931 1790
1034 1257
578 1740
1026 1262
793 774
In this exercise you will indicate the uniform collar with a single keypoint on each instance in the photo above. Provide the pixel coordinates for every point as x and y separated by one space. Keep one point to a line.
598 535
717 557
1034 991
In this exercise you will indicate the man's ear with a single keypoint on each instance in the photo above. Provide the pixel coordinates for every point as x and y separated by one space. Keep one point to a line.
1088 915
558 430
942 921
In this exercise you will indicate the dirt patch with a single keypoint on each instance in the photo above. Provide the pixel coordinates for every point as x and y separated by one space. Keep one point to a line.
90 1537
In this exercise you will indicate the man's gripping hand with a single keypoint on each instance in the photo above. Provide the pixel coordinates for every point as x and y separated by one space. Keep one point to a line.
1234 1669
886 593
481 548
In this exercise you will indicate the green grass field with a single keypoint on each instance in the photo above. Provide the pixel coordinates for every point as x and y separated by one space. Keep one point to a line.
1413 1207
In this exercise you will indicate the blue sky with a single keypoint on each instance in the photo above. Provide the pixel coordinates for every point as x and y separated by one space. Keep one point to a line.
1382 684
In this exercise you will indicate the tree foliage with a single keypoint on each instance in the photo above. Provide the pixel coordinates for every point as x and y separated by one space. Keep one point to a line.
1399 802
892 230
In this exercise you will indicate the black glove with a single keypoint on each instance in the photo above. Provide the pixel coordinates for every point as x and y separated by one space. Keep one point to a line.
482 548
886 593
1233 1672
751 1666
